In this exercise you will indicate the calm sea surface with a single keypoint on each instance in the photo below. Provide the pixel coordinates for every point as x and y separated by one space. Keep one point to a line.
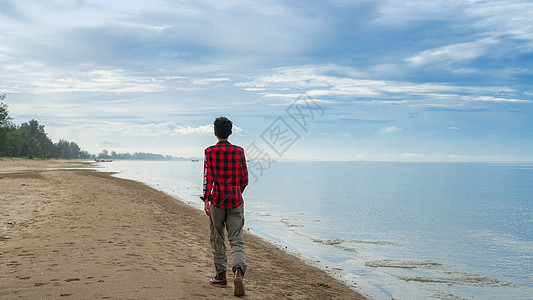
402 230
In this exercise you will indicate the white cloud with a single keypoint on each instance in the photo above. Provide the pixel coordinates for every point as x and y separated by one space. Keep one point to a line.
501 24
454 53
453 128
330 80
388 129
412 156
168 128
403 13
162 129
189 130
494 18
35 77
379 102
204 81
496 99
503 18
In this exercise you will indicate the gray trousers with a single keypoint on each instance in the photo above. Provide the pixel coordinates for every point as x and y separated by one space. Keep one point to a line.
233 220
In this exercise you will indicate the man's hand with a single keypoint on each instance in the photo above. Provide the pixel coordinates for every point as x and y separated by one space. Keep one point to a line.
207 208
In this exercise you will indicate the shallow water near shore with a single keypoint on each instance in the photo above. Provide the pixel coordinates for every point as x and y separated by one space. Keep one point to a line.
402 230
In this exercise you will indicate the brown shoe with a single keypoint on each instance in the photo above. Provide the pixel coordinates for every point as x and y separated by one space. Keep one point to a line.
220 280
238 282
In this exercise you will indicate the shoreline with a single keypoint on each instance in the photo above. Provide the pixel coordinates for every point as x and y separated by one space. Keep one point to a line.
86 234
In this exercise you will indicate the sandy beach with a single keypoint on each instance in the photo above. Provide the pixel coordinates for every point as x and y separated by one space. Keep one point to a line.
82 234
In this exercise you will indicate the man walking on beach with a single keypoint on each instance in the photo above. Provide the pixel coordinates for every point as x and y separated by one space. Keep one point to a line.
225 178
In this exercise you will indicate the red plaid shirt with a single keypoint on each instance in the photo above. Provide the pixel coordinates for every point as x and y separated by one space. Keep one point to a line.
225 175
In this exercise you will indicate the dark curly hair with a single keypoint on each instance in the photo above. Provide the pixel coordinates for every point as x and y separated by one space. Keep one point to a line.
223 127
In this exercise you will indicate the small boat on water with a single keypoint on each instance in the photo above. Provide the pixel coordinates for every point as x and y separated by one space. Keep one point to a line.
195 159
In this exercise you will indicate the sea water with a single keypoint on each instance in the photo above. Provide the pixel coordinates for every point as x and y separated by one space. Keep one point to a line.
390 229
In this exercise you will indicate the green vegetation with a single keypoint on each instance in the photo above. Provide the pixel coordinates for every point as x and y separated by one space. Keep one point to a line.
30 140
136 156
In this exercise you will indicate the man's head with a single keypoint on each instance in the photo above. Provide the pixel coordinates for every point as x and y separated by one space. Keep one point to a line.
223 127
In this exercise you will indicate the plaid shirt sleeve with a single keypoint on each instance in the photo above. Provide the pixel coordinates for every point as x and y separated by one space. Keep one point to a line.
208 176
244 173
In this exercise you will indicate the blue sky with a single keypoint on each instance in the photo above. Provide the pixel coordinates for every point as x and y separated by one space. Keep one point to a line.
394 80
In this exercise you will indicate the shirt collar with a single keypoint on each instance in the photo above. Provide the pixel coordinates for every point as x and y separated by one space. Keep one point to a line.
223 142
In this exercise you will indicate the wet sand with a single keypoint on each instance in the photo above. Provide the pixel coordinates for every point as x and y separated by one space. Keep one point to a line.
82 234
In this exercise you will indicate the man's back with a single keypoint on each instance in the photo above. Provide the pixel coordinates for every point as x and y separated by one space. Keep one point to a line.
225 174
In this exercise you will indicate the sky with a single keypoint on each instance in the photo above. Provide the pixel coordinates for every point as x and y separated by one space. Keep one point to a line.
410 80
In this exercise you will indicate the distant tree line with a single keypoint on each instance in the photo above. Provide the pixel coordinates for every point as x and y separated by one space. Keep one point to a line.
135 156
30 140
